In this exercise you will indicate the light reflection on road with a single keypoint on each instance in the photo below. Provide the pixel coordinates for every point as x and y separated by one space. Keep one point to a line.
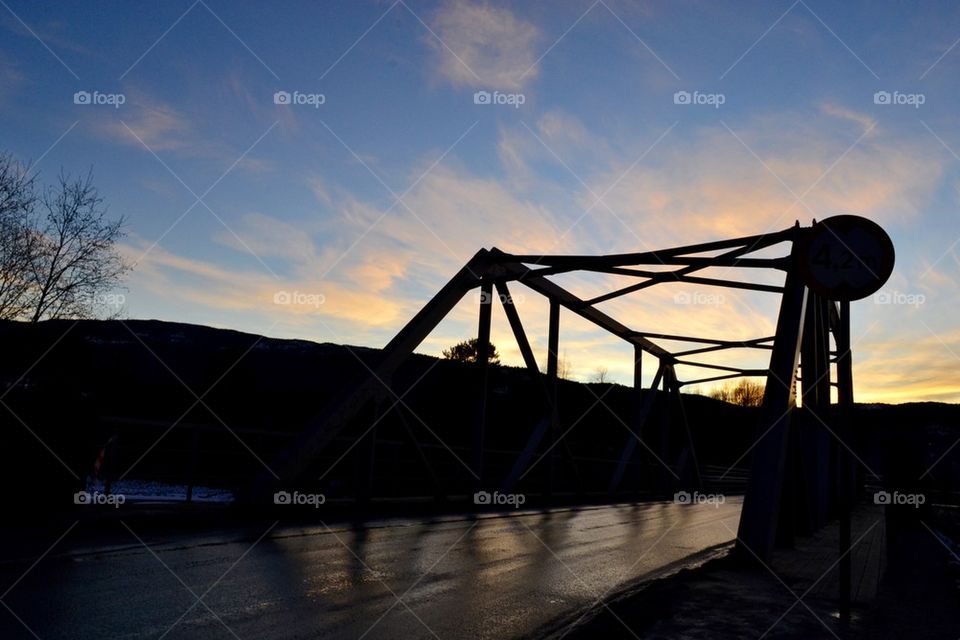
486 577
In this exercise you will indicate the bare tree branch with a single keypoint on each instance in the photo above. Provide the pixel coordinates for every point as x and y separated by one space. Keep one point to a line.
77 259
60 261
17 238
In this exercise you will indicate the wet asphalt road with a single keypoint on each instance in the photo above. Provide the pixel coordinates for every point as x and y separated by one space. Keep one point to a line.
491 577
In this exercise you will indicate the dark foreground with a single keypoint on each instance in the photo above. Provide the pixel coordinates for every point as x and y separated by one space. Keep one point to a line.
495 576
905 584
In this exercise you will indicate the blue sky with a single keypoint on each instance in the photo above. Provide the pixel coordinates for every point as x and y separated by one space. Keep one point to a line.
365 204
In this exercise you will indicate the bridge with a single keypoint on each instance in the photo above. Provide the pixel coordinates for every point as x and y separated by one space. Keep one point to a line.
802 472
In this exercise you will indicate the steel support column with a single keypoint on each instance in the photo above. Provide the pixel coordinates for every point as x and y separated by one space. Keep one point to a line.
815 443
483 371
637 416
845 471
663 478
758 520
553 346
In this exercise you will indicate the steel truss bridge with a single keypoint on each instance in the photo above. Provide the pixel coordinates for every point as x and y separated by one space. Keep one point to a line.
812 335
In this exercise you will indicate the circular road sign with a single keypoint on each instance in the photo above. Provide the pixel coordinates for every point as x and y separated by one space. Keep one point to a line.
846 257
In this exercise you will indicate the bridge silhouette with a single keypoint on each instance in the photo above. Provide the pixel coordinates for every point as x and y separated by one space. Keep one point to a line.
802 471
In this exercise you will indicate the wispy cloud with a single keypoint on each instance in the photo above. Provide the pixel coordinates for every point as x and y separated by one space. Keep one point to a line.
866 121
483 45
159 126
147 123
200 287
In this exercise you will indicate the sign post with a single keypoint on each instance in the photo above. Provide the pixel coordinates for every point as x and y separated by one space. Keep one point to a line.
845 258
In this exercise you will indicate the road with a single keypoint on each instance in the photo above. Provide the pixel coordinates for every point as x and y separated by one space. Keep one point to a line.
496 576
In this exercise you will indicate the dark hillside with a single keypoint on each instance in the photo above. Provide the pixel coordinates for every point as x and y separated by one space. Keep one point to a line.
132 387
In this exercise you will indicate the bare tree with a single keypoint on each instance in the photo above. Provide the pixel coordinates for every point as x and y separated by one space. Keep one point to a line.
56 262
749 393
600 374
17 239
746 393
75 259
564 368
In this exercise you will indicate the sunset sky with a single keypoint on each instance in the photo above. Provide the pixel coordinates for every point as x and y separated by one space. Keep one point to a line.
364 197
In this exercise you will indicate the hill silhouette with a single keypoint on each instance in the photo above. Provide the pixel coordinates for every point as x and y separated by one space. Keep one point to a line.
185 403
